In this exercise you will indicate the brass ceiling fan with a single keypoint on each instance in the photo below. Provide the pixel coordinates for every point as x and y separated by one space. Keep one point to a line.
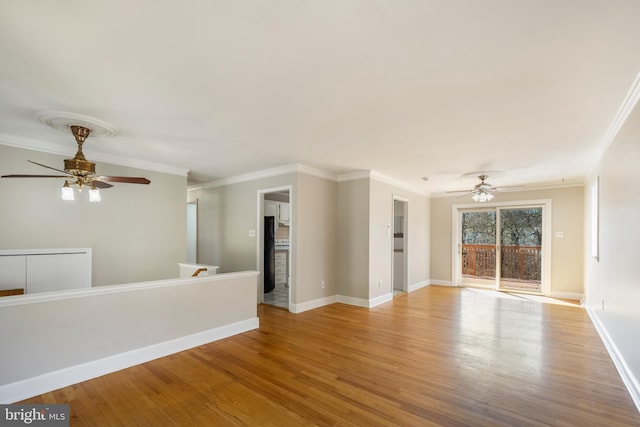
81 172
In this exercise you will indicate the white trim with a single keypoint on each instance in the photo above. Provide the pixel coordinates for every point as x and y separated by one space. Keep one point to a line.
358 302
546 204
313 304
266 173
365 303
397 183
629 380
47 147
354 176
419 285
373 175
114 289
260 240
628 104
406 258
44 383
566 295
381 299
442 282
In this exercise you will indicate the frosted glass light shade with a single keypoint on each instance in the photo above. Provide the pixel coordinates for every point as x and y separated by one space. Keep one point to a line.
67 192
94 195
482 197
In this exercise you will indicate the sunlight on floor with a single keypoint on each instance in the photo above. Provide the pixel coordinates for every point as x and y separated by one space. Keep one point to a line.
534 298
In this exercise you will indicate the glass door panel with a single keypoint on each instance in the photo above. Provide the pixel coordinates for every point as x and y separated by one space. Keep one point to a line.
520 266
477 247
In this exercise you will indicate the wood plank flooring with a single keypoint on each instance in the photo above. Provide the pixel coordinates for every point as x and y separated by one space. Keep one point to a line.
437 356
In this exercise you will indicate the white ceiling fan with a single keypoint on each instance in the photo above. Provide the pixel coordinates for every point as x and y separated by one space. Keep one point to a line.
483 192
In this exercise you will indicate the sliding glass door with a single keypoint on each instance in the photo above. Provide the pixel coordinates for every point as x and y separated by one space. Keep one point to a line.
501 247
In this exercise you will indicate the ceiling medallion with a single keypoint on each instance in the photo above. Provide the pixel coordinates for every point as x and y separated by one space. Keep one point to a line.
62 121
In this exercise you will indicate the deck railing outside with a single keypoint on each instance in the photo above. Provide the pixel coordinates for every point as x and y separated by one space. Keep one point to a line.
519 263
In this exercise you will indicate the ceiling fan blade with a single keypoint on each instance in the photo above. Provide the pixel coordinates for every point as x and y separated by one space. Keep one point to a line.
510 188
127 179
100 184
49 167
468 193
35 176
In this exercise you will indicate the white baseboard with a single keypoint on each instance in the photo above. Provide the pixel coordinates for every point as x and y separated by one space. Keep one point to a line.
365 303
310 305
566 295
24 389
419 285
380 300
629 380
441 282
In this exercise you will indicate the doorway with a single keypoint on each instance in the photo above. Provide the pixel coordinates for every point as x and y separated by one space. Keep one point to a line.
400 263
275 246
503 247
192 232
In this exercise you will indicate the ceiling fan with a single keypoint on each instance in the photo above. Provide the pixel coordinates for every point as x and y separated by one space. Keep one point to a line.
482 192
81 172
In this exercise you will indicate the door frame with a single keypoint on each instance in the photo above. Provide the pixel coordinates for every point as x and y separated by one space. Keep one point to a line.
260 242
456 272
405 242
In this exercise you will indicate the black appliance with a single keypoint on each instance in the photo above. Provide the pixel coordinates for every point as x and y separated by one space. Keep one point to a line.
269 254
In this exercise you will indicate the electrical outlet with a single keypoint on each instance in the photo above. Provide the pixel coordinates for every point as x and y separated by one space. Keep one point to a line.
323 284
252 233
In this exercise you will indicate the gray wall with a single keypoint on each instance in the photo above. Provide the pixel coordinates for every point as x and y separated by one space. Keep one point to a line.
338 233
92 326
227 213
381 244
566 253
613 281
137 232
353 238
225 216
316 229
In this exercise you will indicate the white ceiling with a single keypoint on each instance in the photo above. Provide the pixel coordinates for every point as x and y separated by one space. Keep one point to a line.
405 88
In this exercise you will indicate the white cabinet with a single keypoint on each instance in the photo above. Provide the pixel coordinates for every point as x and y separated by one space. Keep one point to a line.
283 213
271 209
45 270
281 269
278 210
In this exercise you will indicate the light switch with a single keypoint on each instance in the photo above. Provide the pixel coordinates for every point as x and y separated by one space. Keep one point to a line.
252 233
559 234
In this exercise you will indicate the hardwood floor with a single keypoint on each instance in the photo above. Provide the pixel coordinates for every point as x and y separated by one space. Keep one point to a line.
437 356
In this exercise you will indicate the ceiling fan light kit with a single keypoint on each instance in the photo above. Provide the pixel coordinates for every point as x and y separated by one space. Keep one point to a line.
79 171
482 192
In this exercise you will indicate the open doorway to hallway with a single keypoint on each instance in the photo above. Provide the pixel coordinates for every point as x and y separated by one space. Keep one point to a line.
400 245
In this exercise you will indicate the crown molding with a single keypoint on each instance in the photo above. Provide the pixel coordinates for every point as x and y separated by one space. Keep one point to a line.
266 173
46 147
377 176
628 104
353 176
